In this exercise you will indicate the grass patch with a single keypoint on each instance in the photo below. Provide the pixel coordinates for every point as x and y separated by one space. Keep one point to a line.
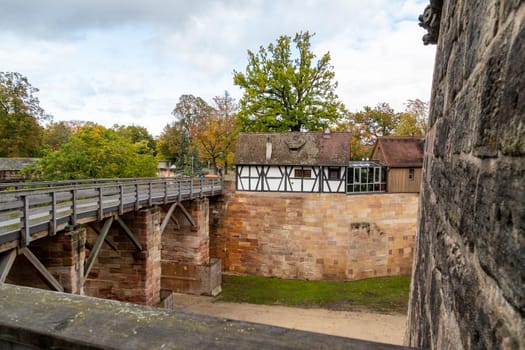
384 294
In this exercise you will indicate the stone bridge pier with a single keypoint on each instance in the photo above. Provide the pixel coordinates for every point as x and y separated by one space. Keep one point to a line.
136 257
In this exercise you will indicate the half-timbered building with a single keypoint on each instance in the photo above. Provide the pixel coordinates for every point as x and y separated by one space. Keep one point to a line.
292 162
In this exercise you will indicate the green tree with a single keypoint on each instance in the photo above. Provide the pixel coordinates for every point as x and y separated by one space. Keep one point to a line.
95 152
366 126
287 92
137 134
374 122
21 135
169 142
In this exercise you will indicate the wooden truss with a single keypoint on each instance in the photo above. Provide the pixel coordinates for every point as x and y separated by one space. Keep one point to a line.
169 216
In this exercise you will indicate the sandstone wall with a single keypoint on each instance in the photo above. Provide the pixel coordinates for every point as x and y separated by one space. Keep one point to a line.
186 263
469 267
121 272
62 255
315 236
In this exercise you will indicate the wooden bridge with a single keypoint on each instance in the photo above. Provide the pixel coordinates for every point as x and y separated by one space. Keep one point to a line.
41 211
30 210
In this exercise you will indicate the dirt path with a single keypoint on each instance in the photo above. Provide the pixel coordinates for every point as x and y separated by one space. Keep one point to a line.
361 325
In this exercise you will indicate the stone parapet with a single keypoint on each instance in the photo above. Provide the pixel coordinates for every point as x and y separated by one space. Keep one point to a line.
39 319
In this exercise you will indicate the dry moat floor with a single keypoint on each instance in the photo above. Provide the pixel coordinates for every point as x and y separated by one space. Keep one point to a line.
360 325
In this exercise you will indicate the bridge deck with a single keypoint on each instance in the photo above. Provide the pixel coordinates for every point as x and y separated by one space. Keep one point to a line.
29 211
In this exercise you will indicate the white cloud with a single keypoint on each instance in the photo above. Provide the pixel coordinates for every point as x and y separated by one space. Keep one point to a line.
125 62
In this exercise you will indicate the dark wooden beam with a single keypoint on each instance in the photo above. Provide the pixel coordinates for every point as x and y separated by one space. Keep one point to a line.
175 222
111 245
42 270
187 215
130 234
96 248
6 262
167 217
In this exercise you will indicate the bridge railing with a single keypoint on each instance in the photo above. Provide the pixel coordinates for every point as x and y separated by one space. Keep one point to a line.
49 207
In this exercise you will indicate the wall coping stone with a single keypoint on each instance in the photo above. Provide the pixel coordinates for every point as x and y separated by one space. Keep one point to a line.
46 319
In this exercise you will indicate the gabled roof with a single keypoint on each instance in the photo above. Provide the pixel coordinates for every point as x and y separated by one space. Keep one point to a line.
399 151
293 148
15 163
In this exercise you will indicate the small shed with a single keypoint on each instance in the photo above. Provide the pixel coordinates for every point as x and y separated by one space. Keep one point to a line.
403 158
292 162
10 168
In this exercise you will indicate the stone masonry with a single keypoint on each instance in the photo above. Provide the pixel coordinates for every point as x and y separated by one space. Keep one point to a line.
186 263
63 255
469 268
127 274
316 236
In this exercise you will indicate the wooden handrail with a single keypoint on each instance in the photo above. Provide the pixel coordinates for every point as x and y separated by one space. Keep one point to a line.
49 209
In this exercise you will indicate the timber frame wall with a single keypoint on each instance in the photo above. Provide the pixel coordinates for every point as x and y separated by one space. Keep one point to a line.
281 178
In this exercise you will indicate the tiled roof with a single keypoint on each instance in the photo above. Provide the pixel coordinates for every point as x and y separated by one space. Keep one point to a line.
293 148
399 151
15 163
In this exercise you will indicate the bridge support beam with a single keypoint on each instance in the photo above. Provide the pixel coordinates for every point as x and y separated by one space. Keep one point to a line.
186 263
55 262
127 273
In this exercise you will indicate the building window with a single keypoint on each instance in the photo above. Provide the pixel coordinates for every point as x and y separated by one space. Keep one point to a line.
304 173
366 177
334 173
410 174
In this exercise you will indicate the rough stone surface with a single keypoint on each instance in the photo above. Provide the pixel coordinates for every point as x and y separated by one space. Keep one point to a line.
63 255
186 263
127 274
32 318
316 236
469 267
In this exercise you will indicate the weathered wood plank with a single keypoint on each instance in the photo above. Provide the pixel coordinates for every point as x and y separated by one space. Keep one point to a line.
6 262
130 234
77 201
167 217
42 270
96 248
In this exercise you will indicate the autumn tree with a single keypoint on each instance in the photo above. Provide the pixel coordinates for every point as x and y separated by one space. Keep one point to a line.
413 121
216 135
288 91
58 133
95 152
370 123
21 134
201 132
190 113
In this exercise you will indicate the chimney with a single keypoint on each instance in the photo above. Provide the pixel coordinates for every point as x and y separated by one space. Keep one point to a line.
268 149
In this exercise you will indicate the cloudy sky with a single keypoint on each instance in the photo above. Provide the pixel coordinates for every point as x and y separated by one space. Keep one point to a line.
129 61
